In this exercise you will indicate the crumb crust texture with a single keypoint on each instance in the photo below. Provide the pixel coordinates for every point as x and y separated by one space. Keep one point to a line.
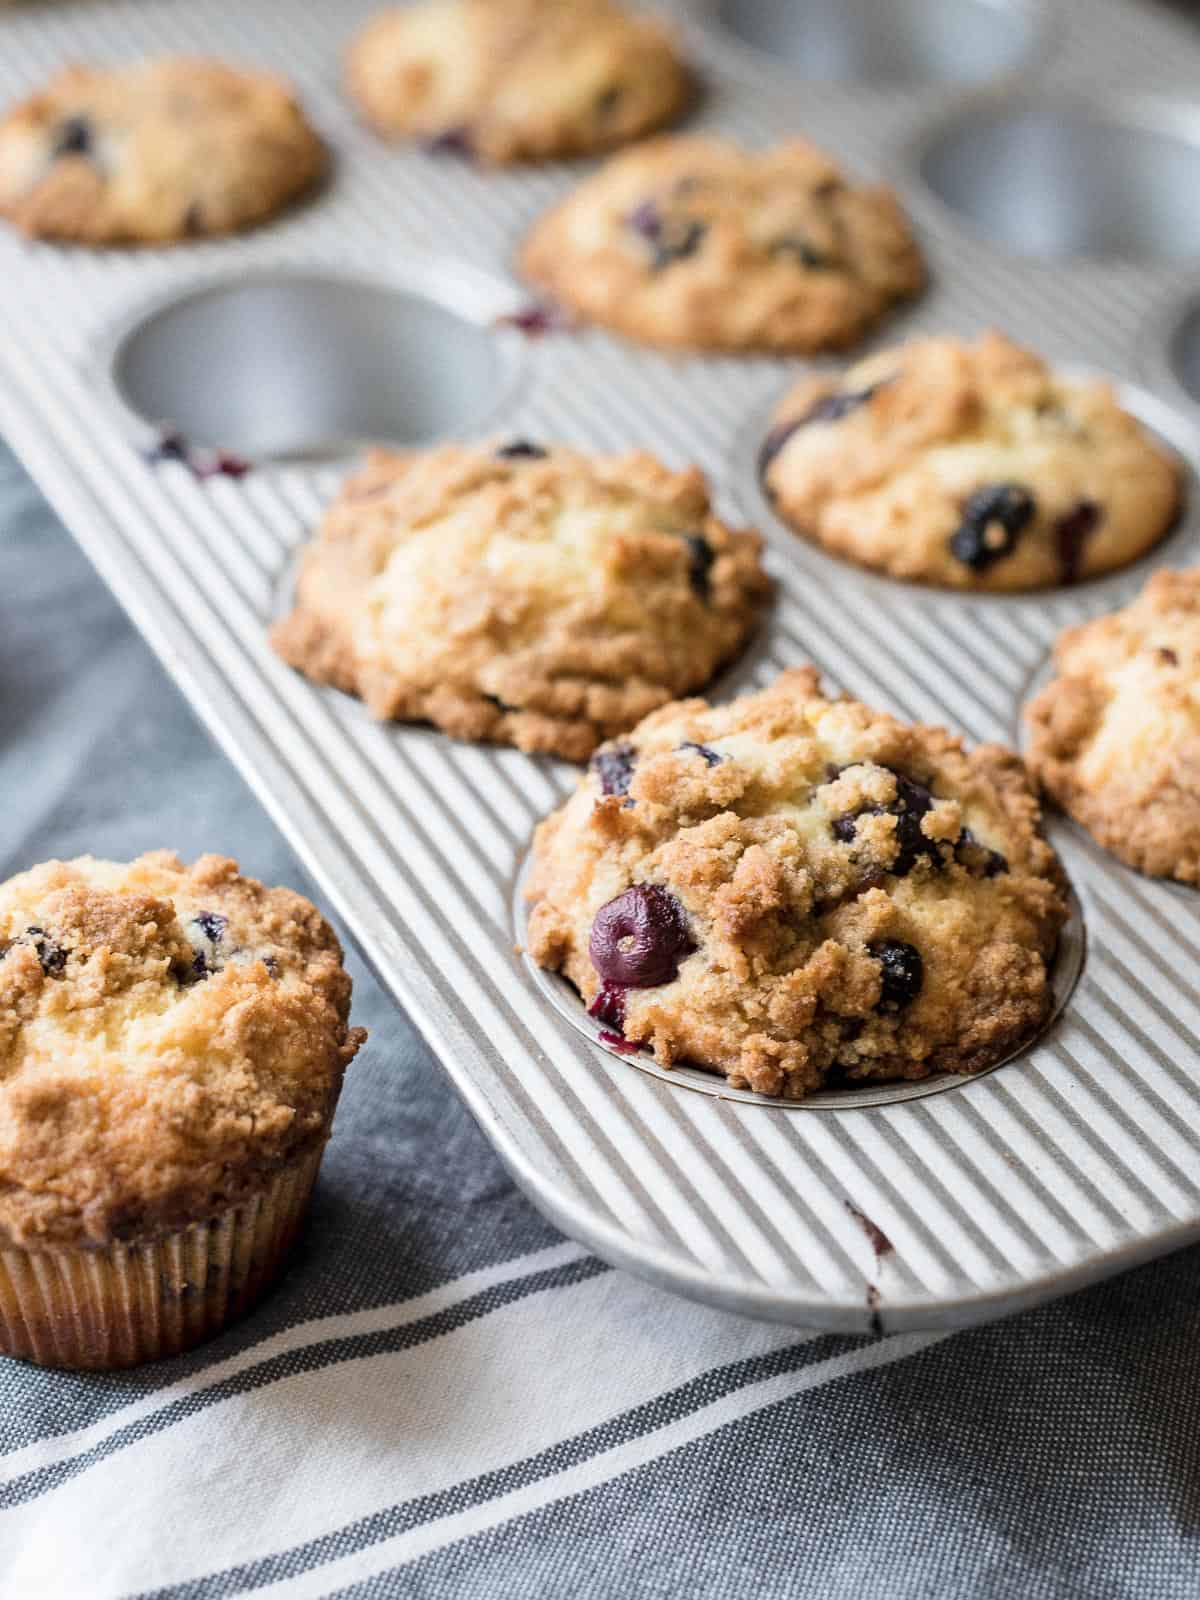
970 465
170 1037
545 599
501 81
1115 736
861 900
697 243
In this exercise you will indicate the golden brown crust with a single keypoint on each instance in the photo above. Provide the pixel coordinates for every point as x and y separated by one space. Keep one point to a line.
809 843
161 151
517 80
881 464
168 1036
697 243
546 601
1115 738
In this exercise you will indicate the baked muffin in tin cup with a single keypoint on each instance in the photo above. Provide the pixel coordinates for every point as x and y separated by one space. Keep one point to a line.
172 1047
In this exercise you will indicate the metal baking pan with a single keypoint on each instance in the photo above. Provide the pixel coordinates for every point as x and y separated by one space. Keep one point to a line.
1050 157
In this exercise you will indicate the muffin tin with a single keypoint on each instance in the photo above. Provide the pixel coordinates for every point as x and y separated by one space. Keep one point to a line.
1049 158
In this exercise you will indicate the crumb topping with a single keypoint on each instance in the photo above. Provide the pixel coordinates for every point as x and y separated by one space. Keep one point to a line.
167 1034
697 242
792 889
969 465
538 597
1115 737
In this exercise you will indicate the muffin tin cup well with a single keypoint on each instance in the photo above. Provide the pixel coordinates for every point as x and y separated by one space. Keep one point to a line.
904 44
1180 346
297 364
1058 178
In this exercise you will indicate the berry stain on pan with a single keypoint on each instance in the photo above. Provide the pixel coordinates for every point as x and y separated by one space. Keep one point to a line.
876 1237
453 142
619 1043
537 319
172 446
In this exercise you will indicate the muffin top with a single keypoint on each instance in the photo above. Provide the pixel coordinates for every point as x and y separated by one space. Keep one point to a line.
168 1036
792 890
1115 738
537 597
162 150
699 243
971 465
517 80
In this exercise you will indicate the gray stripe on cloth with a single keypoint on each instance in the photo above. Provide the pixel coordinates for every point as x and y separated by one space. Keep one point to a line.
385 1524
308 1358
1051 1456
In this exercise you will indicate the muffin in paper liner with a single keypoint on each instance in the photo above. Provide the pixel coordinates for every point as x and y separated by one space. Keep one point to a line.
172 1047
99 1309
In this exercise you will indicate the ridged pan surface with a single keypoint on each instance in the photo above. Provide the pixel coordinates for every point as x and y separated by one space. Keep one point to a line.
1072 1161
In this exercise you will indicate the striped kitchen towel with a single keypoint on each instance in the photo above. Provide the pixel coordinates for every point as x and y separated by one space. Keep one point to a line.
445 1399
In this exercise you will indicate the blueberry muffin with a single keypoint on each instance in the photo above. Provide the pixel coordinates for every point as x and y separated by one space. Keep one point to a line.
172 1044
517 80
697 243
147 154
1115 738
535 597
797 891
969 465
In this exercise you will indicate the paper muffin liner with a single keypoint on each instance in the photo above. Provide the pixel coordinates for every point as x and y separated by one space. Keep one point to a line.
120 1305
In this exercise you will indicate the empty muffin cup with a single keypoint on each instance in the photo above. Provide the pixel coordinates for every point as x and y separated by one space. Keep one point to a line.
1184 353
286 364
902 43
1061 182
